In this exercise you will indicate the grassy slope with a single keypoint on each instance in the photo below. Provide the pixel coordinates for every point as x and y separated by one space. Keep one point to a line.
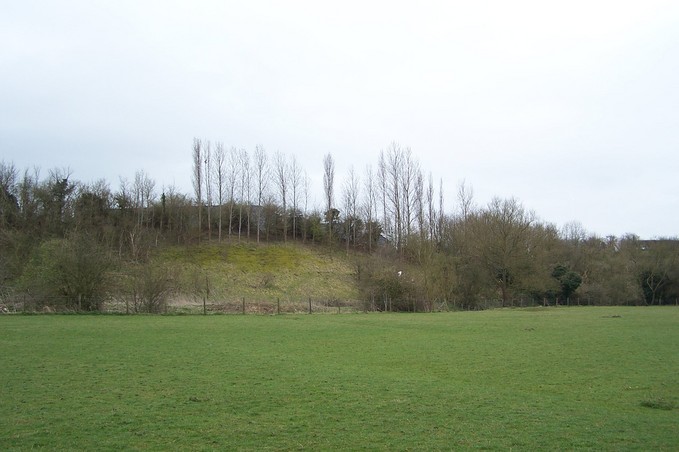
290 272
551 378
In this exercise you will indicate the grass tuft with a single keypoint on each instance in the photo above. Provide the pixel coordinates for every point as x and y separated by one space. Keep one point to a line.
658 403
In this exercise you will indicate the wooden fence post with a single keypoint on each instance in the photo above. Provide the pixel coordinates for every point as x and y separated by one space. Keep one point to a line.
207 294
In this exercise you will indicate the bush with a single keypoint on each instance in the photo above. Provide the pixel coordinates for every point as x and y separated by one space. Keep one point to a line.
150 288
387 289
69 274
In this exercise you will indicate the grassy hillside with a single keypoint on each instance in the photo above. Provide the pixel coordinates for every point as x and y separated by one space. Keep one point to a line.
265 272
525 379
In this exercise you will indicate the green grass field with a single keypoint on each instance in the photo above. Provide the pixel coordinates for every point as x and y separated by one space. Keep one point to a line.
554 378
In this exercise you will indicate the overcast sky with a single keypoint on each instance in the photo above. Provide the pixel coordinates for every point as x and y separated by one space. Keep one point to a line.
571 107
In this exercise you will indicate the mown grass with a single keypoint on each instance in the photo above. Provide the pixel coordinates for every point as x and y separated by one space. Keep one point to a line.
555 378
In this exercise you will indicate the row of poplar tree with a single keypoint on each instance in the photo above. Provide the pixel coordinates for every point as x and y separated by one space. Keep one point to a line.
389 213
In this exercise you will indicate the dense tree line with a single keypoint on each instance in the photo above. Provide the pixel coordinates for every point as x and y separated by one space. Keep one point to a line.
63 238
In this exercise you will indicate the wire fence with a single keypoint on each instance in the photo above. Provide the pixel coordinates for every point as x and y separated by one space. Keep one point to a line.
22 303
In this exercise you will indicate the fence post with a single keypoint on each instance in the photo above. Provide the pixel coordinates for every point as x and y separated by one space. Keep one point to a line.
309 305
207 294
278 306
243 305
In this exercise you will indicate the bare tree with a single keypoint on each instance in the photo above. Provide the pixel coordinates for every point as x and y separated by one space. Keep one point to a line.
573 232
351 188
503 241
262 175
244 171
142 197
248 191
409 171
431 209
465 196
369 203
143 189
346 205
197 179
382 185
149 196
306 185
281 177
208 187
328 187
441 216
28 205
137 193
295 173
398 176
124 203
394 169
419 207
233 177
220 178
